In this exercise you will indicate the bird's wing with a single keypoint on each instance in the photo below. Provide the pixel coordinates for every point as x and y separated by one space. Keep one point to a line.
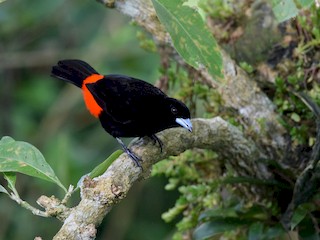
126 99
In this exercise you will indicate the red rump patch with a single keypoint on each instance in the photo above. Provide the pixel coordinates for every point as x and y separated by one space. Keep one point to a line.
91 104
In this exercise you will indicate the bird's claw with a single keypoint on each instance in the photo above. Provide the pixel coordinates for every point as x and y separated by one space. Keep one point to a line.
134 158
156 140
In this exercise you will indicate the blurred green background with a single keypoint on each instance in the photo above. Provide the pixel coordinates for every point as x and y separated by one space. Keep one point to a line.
51 115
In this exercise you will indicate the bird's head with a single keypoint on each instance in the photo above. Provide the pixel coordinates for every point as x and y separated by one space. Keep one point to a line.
179 114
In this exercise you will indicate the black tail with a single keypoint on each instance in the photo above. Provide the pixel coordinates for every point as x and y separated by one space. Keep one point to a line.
73 71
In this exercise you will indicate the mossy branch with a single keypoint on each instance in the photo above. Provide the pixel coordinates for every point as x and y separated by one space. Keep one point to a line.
100 194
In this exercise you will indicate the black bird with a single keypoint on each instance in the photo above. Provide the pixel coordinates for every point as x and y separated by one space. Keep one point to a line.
125 106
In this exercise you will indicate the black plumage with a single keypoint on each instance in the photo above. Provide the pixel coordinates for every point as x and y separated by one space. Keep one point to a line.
126 106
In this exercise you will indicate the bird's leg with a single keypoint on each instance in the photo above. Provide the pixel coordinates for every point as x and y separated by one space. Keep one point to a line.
135 158
157 140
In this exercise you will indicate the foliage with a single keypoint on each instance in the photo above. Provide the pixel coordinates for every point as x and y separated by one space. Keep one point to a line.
102 167
283 9
299 74
146 42
211 204
22 157
239 221
287 9
190 173
190 36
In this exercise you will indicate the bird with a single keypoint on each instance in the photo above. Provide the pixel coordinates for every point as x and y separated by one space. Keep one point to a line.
125 106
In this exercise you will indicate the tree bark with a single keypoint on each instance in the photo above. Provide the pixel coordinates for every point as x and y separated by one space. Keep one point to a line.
100 194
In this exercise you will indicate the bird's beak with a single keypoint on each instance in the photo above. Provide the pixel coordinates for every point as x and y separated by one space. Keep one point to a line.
186 123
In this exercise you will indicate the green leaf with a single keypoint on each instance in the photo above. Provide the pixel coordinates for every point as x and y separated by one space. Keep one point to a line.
172 213
11 179
275 231
102 167
2 189
255 231
300 214
190 36
217 227
284 9
295 117
305 3
194 4
218 212
308 229
17 156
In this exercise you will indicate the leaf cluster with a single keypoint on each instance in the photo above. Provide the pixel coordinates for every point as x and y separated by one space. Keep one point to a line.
241 218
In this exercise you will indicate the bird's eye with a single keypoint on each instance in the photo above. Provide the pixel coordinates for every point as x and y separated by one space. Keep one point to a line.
174 110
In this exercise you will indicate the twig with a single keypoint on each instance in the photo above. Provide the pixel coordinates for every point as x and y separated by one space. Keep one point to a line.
68 195
27 206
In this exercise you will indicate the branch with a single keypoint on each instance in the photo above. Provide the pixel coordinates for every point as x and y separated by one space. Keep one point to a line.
100 194
27 206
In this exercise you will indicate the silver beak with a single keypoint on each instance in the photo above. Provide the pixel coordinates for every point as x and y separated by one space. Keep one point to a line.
186 123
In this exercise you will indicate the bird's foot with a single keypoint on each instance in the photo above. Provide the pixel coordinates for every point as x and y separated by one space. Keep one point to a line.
156 140
134 157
